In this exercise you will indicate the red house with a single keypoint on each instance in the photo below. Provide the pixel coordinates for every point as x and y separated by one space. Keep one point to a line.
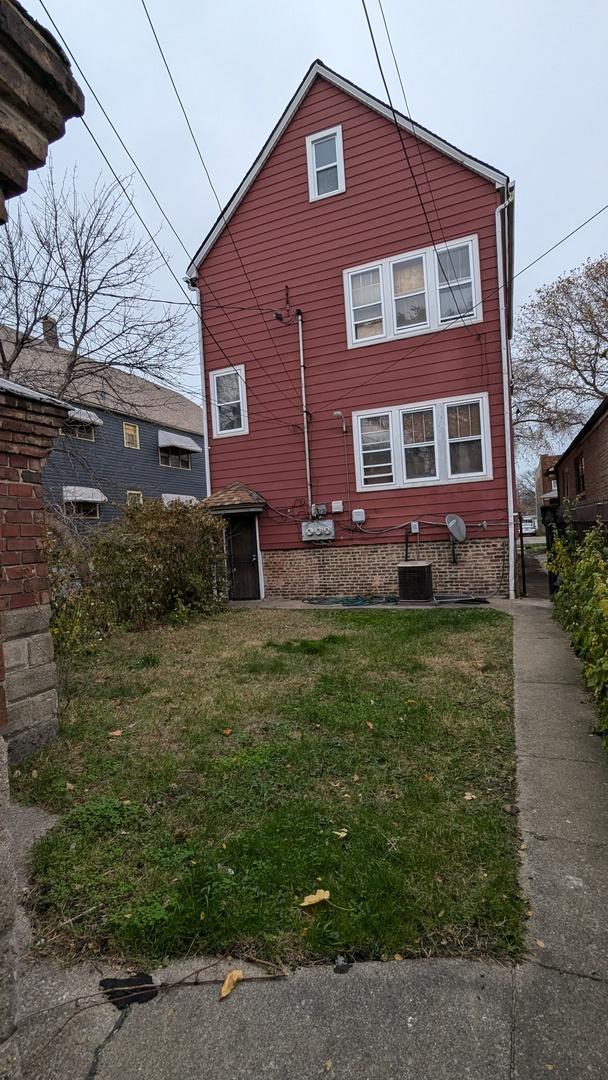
356 313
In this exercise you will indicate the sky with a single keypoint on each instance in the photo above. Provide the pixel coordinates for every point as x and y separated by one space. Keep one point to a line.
521 86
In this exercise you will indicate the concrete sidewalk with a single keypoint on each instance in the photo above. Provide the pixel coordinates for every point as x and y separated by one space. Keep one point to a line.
414 1020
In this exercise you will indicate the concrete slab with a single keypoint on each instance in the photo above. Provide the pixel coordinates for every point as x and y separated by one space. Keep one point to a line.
568 888
559 1026
567 799
427 1018
558 723
26 824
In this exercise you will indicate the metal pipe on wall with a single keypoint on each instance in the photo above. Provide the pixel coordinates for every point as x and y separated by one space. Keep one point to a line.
305 416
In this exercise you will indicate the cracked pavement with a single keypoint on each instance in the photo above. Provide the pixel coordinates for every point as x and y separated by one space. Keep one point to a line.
416 1019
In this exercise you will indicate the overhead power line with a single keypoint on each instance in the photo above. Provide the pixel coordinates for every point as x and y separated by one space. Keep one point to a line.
153 238
213 189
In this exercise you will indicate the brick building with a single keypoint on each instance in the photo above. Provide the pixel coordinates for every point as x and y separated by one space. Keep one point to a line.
582 470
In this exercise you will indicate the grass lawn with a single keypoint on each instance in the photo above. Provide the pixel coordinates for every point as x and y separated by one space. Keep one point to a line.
210 777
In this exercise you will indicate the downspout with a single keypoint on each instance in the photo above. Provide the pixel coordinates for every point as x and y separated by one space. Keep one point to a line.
506 384
305 417
199 310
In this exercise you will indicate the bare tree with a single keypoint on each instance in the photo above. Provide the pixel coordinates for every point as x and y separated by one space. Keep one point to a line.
78 261
526 491
560 357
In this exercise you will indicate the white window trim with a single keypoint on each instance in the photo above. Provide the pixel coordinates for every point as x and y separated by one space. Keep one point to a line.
215 415
313 195
125 425
442 459
351 311
467 438
359 454
420 481
431 279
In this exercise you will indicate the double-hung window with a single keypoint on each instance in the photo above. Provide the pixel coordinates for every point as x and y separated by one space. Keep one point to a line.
429 442
376 449
414 293
229 402
465 439
325 164
419 453
455 282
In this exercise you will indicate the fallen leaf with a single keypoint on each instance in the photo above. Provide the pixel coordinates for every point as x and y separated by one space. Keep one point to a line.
398 956
549 1067
202 916
327 1065
468 795
370 725
540 943
68 786
115 734
356 778
341 833
227 731
510 808
232 978
428 776
34 774
315 897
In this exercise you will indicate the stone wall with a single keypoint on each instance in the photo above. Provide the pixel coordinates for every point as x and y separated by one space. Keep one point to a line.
299 573
28 701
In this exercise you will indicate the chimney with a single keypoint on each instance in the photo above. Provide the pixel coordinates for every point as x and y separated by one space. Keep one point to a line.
49 331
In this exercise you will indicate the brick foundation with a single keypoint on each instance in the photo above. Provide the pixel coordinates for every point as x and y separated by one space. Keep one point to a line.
29 423
295 574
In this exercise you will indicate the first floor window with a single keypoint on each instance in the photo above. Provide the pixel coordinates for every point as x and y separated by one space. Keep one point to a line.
82 509
376 449
419 443
465 439
134 498
174 458
455 281
367 304
579 475
229 406
131 435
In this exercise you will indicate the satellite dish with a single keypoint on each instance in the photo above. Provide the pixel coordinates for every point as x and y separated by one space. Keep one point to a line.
457 527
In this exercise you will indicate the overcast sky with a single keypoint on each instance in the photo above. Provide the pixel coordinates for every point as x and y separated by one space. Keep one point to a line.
522 86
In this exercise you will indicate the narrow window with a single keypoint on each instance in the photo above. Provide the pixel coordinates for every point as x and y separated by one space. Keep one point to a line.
82 509
174 458
366 303
325 164
419 444
409 293
579 474
134 498
465 439
229 406
376 450
455 282
131 435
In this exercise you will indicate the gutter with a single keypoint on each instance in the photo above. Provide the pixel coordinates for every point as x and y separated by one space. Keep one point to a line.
305 417
199 310
506 376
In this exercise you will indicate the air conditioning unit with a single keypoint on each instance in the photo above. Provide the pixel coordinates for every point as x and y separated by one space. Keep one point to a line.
415 582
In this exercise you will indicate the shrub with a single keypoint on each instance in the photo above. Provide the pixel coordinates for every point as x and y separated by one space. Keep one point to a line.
581 604
154 563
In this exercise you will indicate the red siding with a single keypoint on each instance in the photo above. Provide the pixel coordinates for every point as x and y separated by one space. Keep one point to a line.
285 240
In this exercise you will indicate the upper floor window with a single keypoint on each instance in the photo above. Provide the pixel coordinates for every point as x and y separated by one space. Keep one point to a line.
174 458
130 434
229 401
579 474
429 289
86 432
431 442
325 164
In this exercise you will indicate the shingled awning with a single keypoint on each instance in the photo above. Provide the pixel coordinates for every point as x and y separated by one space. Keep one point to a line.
234 498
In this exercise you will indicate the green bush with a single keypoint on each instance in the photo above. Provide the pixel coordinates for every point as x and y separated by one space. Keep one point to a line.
581 604
155 563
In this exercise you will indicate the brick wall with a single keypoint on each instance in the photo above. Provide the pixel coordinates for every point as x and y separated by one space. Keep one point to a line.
28 701
482 566
594 448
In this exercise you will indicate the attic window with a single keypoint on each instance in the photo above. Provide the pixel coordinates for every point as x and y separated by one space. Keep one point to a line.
325 164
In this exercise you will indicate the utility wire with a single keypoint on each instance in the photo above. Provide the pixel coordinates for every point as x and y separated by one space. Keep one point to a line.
213 189
399 131
149 188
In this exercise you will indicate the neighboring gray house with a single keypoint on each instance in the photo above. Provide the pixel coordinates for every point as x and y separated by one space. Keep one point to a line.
126 438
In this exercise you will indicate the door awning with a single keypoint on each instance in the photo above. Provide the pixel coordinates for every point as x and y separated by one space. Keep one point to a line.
234 498
83 494
181 442
84 416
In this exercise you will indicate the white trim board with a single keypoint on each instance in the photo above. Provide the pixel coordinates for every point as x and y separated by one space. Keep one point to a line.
319 69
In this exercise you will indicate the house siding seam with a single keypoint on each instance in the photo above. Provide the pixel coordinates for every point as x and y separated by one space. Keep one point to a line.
287 241
112 467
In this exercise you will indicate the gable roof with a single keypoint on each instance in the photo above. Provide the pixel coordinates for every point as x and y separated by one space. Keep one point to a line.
42 367
319 70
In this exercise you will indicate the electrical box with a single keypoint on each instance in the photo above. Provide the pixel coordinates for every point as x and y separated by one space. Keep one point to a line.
337 506
319 510
358 517
414 527
318 530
